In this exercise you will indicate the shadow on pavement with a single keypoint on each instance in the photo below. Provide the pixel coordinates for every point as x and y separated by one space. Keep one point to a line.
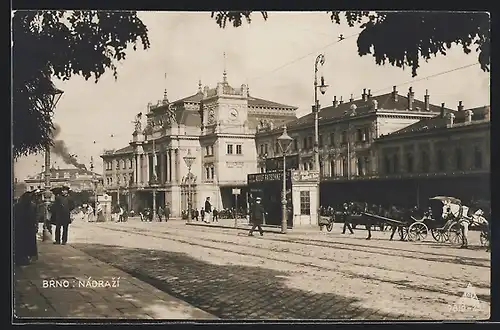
131 299
228 291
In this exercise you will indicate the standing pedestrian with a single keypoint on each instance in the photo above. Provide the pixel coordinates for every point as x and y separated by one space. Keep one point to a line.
160 214
62 208
257 217
202 214
215 217
346 217
167 212
208 210
196 214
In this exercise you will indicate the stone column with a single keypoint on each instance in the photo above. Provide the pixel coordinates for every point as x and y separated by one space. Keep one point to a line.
147 167
177 166
165 167
173 167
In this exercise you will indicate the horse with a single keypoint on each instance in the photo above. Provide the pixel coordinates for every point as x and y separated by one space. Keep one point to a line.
465 218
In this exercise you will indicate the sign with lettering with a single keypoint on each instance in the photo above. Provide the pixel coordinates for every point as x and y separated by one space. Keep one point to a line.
267 177
305 176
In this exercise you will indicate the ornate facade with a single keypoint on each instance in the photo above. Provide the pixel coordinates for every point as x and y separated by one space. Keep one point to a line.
216 125
347 131
76 179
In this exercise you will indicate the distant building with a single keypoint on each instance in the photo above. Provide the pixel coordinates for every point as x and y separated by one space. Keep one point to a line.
448 154
76 179
217 126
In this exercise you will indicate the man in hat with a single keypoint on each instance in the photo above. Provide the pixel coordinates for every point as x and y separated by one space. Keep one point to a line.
62 208
257 217
208 210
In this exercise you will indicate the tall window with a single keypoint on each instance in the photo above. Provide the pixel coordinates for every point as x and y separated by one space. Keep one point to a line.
409 163
306 166
359 134
332 168
207 151
361 166
395 161
367 165
117 164
478 158
130 163
320 141
440 160
332 139
277 147
212 172
459 159
310 142
265 148
295 145
207 173
229 149
304 144
305 203
387 164
261 149
426 163
345 167
238 149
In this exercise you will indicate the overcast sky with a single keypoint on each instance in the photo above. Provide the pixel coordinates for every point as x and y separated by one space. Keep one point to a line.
275 57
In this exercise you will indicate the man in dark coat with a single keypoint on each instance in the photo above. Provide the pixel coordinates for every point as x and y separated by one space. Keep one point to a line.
25 229
347 219
257 217
208 210
62 208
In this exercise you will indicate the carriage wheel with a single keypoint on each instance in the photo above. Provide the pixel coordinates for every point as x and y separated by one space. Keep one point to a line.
439 235
403 233
329 226
455 234
483 238
417 232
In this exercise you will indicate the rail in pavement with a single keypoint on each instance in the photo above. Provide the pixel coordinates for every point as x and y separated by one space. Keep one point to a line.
67 283
243 224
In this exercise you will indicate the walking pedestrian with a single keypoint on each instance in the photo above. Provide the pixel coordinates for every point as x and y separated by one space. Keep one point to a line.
196 214
208 210
215 217
257 217
62 208
202 214
160 213
347 219
167 212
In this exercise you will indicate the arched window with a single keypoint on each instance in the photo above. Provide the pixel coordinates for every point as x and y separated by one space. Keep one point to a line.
425 162
459 159
478 158
387 165
395 161
409 163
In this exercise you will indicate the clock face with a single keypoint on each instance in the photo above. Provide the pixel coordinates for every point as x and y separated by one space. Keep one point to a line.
233 114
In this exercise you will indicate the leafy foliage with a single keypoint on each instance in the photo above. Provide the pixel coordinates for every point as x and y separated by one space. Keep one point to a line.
62 44
403 38
235 17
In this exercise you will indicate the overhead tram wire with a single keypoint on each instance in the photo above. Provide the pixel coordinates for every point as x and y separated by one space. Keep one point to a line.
304 56
419 79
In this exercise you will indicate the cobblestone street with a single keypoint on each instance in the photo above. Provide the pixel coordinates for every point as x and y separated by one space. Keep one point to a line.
303 275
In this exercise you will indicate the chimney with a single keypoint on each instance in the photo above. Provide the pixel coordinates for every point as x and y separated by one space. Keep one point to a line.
411 97
394 94
351 99
205 90
369 94
426 100
460 106
451 119
364 96
468 116
341 101
335 102
442 110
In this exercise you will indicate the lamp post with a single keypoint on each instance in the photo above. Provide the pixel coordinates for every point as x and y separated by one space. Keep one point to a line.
153 182
94 185
322 88
189 160
55 96
284 142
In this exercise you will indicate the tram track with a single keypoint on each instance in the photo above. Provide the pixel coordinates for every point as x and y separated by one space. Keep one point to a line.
223 246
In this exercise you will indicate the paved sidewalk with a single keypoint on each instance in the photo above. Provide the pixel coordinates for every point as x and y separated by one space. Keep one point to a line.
113 293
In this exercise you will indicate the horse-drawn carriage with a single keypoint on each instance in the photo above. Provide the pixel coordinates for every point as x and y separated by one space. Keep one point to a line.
444 219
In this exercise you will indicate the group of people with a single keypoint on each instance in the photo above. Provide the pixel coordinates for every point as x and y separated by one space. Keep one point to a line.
161 214
29 211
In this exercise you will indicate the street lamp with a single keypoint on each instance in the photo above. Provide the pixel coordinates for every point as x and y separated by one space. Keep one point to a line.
54 97
189 160
322 88
284 142
154 182
94 185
